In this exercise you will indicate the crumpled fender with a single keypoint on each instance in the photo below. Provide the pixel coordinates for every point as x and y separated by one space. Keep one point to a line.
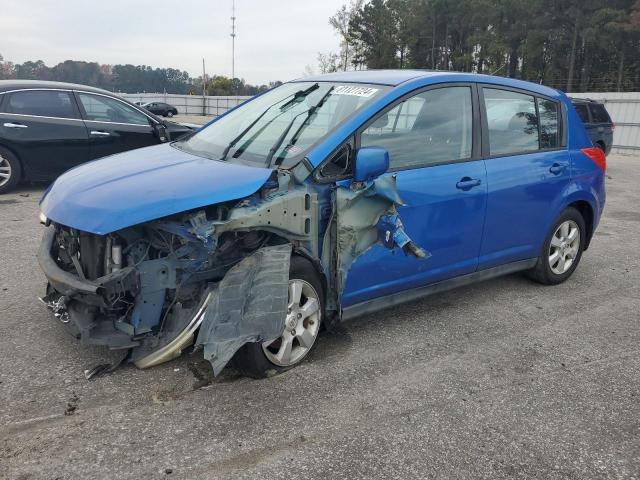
248 305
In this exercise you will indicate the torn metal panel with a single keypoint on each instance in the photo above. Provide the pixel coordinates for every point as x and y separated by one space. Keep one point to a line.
367 214
248 305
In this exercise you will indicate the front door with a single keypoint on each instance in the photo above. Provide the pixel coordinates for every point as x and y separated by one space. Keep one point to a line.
435 155
113 125
44 129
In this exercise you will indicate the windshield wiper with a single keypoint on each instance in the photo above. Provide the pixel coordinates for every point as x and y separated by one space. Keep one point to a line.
297 97
310 112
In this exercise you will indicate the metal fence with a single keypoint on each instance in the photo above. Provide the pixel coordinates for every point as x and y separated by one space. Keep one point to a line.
624 109
189 104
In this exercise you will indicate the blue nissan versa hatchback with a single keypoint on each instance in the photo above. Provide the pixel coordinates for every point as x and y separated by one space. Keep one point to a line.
322 199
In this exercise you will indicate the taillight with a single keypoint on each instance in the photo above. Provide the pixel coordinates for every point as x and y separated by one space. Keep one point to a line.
597 156
613 126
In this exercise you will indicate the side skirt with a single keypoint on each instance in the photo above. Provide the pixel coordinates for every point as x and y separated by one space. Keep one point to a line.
398 298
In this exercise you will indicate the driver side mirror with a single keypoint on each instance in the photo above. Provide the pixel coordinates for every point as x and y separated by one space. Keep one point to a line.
371 162
161 132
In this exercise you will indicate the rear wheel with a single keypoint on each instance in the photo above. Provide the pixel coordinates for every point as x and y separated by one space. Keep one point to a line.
562 249
169 114
10 171
302 325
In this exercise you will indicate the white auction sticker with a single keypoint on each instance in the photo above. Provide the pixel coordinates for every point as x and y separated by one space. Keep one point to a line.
355 91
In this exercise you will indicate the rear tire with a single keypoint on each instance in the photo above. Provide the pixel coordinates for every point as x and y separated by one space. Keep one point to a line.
10 171
562 249
256 360
169 114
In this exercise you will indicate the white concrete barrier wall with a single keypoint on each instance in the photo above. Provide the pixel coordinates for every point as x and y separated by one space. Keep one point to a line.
624 109
189 104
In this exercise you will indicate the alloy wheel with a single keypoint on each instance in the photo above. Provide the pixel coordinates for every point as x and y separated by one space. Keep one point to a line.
302 325
5 171
564 247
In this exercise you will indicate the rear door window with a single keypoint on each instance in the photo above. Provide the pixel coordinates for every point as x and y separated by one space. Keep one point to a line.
599 113
42 103
512 122
581 110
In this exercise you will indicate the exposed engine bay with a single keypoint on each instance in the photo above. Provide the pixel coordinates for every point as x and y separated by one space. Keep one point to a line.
215 276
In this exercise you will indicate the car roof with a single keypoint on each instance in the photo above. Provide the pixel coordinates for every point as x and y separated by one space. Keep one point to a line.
7 85
395 78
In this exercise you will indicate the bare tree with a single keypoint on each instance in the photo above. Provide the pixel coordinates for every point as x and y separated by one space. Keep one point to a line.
341 22
328 62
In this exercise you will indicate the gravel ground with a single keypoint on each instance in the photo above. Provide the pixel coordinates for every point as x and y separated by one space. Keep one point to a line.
502 379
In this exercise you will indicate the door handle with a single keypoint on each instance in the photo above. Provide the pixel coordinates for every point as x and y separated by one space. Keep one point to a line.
467 183
15 125
99 133
557 169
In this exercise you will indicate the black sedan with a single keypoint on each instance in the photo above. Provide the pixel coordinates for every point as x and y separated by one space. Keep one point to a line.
161 108
49 127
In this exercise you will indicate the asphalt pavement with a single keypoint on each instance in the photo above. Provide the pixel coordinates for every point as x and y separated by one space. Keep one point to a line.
501 379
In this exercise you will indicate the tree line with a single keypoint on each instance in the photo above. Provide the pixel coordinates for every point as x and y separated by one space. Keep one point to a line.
128 78
573 45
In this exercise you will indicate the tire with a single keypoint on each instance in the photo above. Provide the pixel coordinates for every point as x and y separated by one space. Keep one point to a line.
9 165
561 254
256 360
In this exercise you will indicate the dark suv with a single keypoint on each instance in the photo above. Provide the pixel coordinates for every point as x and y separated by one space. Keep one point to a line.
597 121
49 127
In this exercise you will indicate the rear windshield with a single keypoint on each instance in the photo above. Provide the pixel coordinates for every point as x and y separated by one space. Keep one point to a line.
599 113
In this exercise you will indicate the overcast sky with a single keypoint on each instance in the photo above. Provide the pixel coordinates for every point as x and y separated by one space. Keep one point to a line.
275 40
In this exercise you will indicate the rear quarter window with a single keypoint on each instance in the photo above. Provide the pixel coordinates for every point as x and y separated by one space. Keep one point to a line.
599 113
581 110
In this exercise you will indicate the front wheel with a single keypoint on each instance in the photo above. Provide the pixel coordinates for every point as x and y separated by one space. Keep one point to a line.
302 325
169 114
562 249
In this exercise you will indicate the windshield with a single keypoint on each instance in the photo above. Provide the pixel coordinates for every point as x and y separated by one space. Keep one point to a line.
279 127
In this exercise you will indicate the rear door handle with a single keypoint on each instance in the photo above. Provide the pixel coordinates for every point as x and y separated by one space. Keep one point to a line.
467 183
15 125
557 169
99 133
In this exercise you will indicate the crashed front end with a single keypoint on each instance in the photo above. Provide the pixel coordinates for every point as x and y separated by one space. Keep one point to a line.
215 276
147 288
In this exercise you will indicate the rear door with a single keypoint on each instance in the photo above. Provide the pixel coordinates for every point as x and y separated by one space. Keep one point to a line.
527 172
44 129
435 155
113 125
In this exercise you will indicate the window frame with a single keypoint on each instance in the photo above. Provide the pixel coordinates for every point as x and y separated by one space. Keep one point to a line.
562 119
5 97
354 136
151 121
